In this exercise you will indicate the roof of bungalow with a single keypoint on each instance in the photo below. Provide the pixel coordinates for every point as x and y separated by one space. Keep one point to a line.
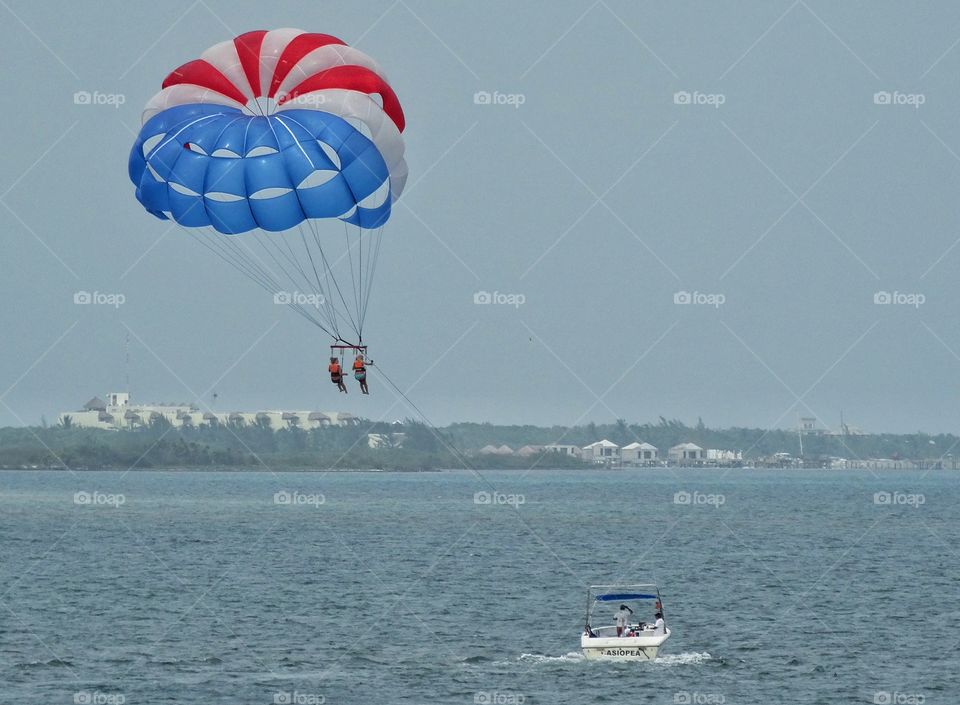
640 446
602 444
687 446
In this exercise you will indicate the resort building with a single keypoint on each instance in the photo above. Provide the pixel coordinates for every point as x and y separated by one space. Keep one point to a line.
117 413
638 454
687 453
601 452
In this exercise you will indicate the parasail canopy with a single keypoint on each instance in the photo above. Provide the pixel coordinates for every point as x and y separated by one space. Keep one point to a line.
275 135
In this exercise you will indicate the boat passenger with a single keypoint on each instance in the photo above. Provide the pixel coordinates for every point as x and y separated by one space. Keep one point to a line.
623 617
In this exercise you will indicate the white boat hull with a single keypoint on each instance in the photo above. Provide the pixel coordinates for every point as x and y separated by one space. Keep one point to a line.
627 648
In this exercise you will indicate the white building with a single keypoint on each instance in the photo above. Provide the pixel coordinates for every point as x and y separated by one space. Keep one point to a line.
528 451
118 413
724 456
687 453
639 453
573 451
601 452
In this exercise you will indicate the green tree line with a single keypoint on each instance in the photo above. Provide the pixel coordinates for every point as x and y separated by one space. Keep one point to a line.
159 444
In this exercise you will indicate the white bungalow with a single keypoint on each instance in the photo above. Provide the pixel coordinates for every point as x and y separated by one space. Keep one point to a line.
573 451
686 453
639 453
601 452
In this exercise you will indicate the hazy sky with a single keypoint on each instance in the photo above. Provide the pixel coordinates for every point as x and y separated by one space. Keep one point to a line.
783 192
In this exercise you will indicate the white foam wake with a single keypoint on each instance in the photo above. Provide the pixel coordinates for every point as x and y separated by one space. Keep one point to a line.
683 659
543 658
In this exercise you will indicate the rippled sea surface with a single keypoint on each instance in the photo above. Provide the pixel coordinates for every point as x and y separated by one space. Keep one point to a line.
183 587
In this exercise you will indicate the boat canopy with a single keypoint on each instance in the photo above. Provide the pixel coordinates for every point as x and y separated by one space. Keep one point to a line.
624 596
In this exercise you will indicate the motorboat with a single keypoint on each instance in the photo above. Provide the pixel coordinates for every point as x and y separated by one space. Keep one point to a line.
630 639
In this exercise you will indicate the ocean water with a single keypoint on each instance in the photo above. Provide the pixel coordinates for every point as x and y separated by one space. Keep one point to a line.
184 587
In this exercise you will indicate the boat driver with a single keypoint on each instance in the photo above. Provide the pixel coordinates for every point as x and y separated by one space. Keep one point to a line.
659 627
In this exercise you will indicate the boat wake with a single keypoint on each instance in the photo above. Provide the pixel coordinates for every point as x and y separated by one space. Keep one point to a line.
682 659
543 658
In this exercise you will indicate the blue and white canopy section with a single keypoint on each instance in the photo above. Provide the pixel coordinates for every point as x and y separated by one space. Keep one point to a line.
214 165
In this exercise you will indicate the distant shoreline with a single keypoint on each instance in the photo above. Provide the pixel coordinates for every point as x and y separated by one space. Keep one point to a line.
411 446
398 471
